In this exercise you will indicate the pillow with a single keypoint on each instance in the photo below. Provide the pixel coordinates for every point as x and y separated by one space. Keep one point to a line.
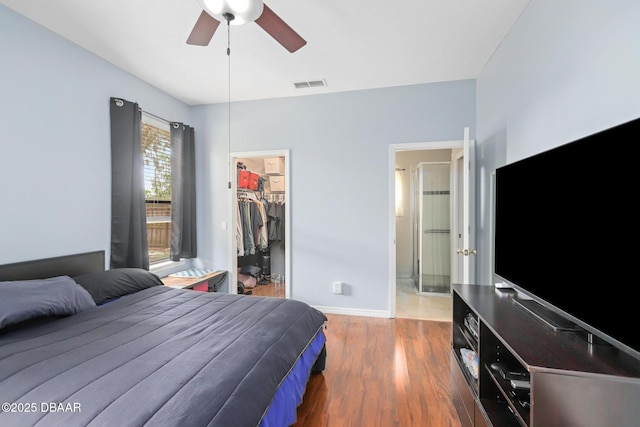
109 284
22 300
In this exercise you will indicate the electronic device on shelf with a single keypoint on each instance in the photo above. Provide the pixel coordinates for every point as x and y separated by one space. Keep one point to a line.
519 395
513 375
520 385
506 374
471 324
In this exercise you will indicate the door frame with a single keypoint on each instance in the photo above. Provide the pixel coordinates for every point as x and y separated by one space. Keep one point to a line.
231 214
393 149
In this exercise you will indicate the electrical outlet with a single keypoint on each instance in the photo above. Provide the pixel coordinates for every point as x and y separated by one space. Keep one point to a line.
337 288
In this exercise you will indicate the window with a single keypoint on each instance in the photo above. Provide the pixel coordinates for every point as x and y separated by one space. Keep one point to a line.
156 151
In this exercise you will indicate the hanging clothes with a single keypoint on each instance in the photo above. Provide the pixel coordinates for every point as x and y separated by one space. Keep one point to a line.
281 227
239 231
257 222
247 230
262 241
275 224
252 228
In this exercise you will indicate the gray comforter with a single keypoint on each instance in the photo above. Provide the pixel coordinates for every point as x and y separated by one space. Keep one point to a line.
161 357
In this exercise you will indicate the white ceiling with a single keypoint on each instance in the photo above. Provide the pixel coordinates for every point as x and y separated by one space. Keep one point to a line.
351 44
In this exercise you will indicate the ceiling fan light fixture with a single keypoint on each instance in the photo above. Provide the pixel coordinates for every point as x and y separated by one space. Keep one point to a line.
243 11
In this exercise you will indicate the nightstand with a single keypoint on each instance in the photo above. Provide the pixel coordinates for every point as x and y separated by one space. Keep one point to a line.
200 283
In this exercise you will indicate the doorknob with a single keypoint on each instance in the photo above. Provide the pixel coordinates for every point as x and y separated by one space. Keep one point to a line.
467 252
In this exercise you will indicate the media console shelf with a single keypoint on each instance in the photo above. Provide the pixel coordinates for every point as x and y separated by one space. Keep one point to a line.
510 369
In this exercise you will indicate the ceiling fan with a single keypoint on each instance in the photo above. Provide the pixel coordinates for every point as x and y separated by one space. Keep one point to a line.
238 12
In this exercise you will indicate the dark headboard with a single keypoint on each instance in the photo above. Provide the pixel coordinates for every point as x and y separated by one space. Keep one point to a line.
67 265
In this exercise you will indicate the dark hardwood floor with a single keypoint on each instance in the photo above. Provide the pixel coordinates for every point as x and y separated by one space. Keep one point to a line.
269 290
381 372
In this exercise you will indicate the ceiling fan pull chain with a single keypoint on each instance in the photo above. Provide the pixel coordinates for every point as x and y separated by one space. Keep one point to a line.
229 17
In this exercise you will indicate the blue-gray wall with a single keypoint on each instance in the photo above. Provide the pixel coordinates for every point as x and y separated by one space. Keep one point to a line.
565 70
55 161
339 177
58 176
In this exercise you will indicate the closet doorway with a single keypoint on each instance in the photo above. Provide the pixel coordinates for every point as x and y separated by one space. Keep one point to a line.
259 207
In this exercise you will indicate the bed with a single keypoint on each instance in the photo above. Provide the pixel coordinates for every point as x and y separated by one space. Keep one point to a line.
84 346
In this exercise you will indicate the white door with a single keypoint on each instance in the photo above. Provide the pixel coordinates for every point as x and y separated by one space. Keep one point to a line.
468 251
463 212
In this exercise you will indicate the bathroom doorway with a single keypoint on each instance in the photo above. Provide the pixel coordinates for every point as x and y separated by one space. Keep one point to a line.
403 160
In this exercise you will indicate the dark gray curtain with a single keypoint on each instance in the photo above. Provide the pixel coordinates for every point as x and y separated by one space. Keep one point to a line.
129 246
183 193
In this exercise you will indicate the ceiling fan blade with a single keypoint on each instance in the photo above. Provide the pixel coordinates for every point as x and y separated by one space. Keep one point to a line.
279 30
203 31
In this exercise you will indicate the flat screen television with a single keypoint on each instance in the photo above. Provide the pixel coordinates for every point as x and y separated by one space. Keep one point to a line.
565 229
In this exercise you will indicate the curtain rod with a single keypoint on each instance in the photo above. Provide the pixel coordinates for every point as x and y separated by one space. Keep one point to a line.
156 117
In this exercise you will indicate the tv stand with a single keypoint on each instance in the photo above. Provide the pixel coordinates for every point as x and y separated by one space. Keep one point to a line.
510 370
546 315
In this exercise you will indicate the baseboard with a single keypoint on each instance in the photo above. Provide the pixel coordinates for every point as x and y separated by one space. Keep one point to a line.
354 311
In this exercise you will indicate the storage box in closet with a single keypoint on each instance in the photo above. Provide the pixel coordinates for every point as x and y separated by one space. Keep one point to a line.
243 178
272 165
276 183
254 178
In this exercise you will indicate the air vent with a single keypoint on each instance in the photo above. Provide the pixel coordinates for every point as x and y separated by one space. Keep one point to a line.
310 83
